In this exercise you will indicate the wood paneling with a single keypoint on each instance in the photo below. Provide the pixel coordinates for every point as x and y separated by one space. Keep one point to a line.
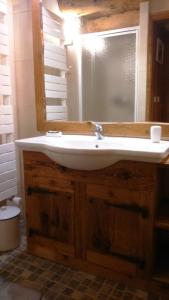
110 22
83 7
124 174
105 14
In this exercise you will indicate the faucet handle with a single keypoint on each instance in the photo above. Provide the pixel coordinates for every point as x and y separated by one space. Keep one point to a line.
99 127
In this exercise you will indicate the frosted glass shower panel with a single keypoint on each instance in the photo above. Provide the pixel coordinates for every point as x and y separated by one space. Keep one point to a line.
108 77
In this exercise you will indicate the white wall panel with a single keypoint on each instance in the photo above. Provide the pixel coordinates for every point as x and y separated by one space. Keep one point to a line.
56 109
51 15
7 157
56 116
4 148
4 186
8 193
5 80
50 22
52 31
54 63
55 56
8 166
3 8
5 109
48 45
55 87
3 39
4 49
7 176
5 90
4 70
8 184
54 94
6 119
55 79
3 29
5 129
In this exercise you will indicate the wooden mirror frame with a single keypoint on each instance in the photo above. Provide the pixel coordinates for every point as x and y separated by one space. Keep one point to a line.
140 129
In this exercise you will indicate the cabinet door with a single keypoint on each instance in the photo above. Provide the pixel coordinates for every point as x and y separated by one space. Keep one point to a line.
50 220
115 228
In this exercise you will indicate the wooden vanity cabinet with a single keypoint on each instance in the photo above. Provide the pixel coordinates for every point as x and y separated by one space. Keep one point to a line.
98 219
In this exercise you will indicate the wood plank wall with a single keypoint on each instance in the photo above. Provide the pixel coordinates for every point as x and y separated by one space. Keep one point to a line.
7 149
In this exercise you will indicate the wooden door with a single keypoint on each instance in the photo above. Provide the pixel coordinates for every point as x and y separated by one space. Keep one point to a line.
115 228
50 220
159 69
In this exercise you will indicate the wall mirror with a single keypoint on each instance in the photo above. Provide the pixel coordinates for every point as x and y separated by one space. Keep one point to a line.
93 78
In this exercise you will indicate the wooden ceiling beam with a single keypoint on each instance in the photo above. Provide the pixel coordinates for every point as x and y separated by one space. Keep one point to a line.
127 19
88 7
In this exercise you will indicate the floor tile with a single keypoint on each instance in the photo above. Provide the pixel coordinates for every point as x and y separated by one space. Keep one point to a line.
55 281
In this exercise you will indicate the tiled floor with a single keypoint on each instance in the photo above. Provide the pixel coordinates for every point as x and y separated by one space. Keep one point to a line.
55 281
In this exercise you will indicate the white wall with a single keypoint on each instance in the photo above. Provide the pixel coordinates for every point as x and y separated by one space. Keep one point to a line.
24 68
52 5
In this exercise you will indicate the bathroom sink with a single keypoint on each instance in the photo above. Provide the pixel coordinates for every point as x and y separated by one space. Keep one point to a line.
87 153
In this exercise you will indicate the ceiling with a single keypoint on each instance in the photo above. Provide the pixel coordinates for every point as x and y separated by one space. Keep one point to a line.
98 8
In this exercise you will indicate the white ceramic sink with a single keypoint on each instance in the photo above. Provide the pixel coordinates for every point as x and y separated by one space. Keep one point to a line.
87 153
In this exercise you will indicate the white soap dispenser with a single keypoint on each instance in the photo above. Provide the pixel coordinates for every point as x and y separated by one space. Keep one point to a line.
155 134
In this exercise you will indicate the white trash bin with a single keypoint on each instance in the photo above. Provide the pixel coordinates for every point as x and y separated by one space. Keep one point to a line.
9 227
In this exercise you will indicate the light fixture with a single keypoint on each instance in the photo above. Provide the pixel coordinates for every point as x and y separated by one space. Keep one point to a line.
71 27
93 43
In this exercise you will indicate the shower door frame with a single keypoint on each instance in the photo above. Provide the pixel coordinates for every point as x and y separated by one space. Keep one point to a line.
109 33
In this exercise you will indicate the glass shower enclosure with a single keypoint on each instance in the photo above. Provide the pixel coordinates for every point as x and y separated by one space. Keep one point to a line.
109 76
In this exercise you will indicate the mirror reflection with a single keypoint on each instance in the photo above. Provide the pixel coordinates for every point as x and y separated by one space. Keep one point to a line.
90 76
108 77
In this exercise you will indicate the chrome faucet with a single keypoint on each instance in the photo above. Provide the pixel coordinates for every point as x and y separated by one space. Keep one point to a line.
98 131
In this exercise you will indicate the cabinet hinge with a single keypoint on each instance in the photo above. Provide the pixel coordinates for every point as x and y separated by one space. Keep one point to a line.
31 232
38 190
135 208
104 246
133 259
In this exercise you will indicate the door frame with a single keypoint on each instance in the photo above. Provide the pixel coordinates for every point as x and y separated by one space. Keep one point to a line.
150 87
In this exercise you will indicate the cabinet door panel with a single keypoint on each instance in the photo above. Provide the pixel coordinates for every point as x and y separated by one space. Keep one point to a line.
51 216
113 229
115 226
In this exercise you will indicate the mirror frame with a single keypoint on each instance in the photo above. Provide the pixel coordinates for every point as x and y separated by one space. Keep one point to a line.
137 129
